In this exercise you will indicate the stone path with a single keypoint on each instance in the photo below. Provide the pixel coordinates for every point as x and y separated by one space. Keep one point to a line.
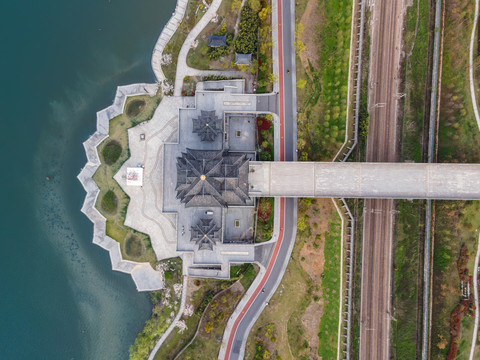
144 276
165 37
144 212
174 322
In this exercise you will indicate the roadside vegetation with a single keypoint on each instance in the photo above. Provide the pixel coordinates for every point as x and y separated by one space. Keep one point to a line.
112 201
209 305
322 76
459 136
457 222
265 211
410 221
407 282
165 303
308 297
265 152
417 81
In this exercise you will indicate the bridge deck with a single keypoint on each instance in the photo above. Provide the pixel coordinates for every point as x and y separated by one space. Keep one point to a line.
365 180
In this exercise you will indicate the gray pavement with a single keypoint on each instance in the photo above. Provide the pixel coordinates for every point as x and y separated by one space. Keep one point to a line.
255 300
365 180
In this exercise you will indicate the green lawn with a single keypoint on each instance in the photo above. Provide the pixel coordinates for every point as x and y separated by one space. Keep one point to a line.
408 276
322 102
328 329
112 201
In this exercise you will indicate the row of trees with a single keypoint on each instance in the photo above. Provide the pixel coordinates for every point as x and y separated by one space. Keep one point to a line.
247 39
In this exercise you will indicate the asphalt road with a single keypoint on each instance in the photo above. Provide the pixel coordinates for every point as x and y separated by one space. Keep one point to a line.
288 207
382 146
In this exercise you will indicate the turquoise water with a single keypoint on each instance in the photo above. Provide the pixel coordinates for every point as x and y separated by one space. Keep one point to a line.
60 62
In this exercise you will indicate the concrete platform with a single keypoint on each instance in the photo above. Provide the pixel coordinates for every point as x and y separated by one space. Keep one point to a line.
365 180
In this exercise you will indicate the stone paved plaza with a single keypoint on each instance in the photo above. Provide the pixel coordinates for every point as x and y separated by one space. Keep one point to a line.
216 130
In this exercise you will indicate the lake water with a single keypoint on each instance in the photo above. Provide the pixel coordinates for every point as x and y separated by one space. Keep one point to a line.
60 63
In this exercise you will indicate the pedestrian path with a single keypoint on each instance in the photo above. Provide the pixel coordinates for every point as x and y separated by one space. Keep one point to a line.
164 38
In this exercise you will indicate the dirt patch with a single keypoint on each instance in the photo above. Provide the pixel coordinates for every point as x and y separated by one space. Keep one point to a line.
134 246
311 321
310 20
313 253
135 107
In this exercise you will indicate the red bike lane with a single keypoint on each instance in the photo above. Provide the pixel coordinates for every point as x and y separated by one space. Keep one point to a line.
282 200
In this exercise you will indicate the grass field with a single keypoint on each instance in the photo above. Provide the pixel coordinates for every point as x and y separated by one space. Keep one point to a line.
322 101
409 224
459 136
416 75
331 289
308 297
112 202
408 277
457 222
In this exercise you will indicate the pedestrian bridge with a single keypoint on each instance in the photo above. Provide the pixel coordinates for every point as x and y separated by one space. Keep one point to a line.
364 180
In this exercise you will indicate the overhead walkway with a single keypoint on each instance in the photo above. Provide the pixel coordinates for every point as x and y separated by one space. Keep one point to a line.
364 180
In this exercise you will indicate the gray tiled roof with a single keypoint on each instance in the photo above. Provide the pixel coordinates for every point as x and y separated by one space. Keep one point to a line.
243 59
207 125
212 178
217 40
205 234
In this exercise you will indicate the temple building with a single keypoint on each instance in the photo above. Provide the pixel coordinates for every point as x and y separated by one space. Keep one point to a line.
205 181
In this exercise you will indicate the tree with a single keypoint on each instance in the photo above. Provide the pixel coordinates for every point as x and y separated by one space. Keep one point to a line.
301 224
301 83
208 327
236 5
263 13
246 41
255 5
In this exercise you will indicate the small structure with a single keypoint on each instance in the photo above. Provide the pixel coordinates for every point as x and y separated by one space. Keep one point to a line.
135 176
243 59
207 125
217 40
205 234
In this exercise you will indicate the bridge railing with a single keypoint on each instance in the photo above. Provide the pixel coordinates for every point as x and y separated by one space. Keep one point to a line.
342 156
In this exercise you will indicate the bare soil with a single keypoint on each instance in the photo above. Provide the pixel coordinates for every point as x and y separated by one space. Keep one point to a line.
310 20
313 252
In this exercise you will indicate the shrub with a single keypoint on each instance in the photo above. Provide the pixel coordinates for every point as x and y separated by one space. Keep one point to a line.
135 107
246 41
110 202
111 152
134 246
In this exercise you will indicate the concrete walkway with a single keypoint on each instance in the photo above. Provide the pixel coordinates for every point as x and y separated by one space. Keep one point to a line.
144 276
174 322
165 37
